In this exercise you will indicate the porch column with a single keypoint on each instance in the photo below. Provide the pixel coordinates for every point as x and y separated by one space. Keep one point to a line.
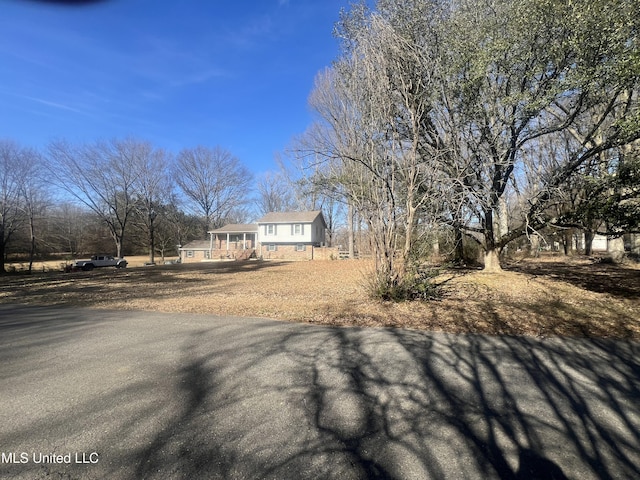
227 242
244 241
211 245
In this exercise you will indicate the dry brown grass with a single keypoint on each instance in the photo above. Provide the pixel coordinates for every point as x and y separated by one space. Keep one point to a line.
551 296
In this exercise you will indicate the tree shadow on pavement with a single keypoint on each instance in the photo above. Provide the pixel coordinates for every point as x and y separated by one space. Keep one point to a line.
254 399
349 403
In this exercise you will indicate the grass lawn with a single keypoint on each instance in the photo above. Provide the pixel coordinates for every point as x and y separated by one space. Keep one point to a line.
541 297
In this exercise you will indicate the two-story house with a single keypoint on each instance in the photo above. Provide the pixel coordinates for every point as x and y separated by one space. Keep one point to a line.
291 235
277 235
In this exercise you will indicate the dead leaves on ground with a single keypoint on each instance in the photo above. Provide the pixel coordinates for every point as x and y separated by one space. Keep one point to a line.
574 298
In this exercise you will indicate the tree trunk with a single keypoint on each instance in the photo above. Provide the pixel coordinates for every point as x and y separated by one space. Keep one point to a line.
32 249
3 246
567 241
635 243
491 252
152 239
435 247
492 261
534 245
350 231
588 241
152 247
615 249
118 247
2 251
459 246
503 221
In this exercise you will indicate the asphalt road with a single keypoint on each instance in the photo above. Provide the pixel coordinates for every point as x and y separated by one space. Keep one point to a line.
123 395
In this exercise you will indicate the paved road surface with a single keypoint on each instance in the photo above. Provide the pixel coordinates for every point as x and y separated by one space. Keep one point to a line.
165 396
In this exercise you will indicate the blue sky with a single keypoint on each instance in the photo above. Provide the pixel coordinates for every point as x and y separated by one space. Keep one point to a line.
177 73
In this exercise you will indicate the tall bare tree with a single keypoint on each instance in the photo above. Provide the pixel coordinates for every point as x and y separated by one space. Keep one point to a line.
35 198
102 176
16 171
214 181
275 194
152 189
375 108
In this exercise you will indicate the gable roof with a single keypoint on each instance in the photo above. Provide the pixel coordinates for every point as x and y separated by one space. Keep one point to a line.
197 245
236 228
292 217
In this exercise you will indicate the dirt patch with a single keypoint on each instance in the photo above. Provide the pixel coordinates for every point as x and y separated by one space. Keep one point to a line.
541 298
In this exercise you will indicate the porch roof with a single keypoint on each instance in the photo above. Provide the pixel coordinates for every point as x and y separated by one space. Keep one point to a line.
236 228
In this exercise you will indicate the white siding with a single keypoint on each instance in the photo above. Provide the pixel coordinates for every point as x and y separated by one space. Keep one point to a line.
285 233
292 233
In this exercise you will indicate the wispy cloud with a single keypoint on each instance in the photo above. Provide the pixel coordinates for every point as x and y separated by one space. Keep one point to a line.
196 78
52 104
168 63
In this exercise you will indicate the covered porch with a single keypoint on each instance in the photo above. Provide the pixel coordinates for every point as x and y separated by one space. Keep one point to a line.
230 239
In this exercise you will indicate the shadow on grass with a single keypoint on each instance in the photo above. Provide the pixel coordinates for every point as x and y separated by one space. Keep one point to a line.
251 399
540 316
100 285
616 280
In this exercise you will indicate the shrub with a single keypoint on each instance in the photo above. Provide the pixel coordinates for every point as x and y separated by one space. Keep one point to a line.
417 284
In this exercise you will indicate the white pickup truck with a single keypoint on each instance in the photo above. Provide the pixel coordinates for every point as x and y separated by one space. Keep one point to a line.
98 261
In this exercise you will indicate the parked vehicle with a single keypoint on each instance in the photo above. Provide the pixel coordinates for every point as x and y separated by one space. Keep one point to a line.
98 261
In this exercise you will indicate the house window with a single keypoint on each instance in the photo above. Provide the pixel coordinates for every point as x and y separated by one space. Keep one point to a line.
271 247
297 229
300 247
189 253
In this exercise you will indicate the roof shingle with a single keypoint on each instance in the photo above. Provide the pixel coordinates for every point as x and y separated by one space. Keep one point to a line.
290 217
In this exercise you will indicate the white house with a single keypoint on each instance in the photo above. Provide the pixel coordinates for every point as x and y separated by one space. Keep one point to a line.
291 235
277 235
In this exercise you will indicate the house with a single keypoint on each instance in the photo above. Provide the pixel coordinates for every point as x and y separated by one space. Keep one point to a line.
291 235
277 235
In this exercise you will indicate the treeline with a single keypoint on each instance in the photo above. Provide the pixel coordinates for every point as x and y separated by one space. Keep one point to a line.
120 196
490 120
126 196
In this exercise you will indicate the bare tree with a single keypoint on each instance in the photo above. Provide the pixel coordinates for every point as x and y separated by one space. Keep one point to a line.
214 181
101 176
34 196
69 224
152 189
374 106
16 169
274 193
